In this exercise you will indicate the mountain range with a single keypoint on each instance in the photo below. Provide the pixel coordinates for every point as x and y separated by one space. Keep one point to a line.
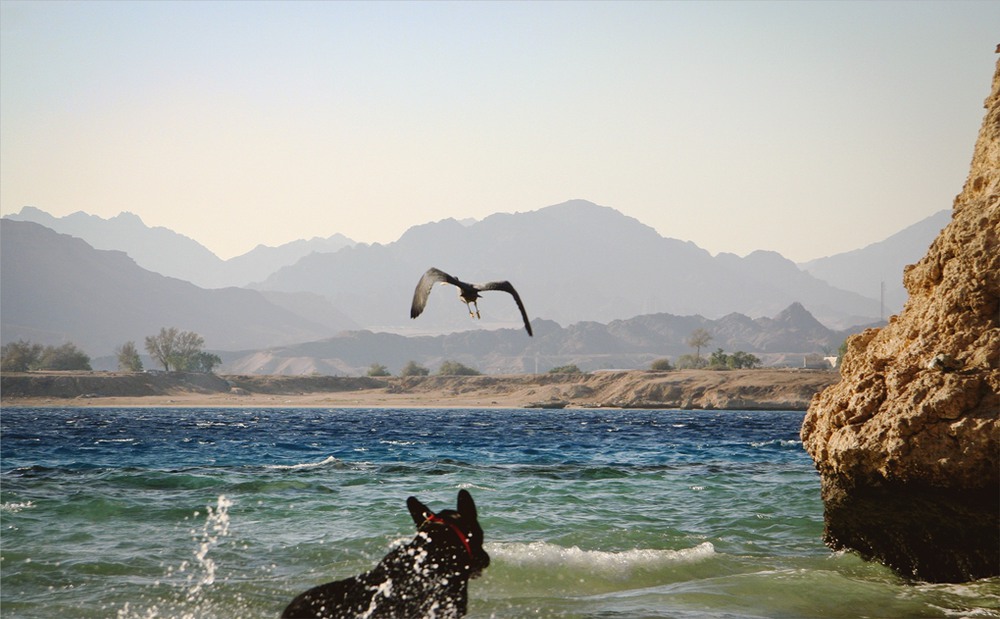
166 252
56 288
577 264
571 262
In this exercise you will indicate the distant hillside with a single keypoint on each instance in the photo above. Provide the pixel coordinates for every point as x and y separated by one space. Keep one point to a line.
862 270
168 253
571 262
621 344
705 389
56 288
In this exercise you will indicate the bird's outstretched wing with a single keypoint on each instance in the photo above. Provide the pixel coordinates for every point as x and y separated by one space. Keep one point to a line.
506 287
423 289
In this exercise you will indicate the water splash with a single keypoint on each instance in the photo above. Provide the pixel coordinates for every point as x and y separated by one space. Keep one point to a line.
216 527
189 603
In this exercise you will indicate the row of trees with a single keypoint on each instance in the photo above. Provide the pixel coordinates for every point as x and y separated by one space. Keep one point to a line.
699 338
181 351
175 350
718 360
412 368
22 356
451 368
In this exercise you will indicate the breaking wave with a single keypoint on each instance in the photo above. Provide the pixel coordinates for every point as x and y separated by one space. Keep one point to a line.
303 465
602 562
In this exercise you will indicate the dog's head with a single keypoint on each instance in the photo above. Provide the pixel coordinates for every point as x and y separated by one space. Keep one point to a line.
455 532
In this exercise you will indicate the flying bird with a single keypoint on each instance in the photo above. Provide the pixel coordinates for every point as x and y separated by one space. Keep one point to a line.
466 292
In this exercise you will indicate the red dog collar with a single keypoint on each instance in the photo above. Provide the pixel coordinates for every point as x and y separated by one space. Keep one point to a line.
461 536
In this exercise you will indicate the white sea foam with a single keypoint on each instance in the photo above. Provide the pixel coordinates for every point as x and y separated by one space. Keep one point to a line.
471 486
13 508
968 601
778 442
545 555
304 465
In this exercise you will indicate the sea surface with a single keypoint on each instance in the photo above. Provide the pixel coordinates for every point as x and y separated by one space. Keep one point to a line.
150 513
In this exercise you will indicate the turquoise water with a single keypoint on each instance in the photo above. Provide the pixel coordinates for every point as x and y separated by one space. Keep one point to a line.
223 513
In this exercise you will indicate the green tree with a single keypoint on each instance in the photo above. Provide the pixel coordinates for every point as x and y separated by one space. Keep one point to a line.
161 347
661 365
128 358
175 349
566 369
412 368
65 357
203 362
740 360
20 356
718 360
377 369
454 368
188 351
699 339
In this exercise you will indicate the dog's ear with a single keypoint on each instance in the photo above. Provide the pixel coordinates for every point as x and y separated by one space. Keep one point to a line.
418 511
466 506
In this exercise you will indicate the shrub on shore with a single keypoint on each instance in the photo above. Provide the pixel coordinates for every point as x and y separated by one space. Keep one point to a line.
454 368
412 368
661 365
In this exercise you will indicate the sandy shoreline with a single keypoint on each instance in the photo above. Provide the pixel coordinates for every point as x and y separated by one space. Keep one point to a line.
766 389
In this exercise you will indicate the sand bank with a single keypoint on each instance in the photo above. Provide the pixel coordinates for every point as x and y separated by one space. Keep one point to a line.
765 389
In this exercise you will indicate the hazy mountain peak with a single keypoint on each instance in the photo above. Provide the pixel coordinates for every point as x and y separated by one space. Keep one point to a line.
129 218
420 232
57 287
796 315
587 221
766 254
169 253
29 213
580 207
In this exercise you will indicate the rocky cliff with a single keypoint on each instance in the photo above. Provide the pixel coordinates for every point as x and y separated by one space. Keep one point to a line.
908 443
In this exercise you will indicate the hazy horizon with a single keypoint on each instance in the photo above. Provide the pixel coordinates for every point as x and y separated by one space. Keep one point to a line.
737 126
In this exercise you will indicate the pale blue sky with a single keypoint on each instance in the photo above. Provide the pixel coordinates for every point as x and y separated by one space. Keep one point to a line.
808 128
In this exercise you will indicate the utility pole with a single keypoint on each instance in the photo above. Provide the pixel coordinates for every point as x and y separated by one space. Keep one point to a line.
881 300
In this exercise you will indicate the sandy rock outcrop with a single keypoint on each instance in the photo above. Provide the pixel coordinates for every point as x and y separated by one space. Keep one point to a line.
908 442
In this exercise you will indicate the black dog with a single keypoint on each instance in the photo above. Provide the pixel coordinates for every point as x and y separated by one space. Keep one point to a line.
429 577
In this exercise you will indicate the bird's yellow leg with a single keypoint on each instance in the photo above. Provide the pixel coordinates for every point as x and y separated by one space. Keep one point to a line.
477 308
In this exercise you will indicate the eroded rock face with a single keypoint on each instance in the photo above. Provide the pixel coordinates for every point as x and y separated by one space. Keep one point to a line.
908 443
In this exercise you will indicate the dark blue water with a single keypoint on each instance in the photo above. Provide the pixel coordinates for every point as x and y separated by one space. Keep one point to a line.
143 513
